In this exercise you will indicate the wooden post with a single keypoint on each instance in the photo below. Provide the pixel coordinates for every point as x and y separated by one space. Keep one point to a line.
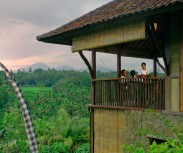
174 61
154 68
94 64
93 102
181 65
156 45
91 130
87 63
118 64
93 75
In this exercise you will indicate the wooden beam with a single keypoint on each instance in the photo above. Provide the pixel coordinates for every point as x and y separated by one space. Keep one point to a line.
94 64
160 65
125 32
93 103
122 108
86 62
128 52
92 70
181 64
152 31
118 64
91 130
155 68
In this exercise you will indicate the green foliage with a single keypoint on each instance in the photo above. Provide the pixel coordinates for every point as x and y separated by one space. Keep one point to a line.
3 92
69 131
31 93
171 145
47 78
2 132
57 147
133 148
84 148
74 93
20 146
59 112
143 132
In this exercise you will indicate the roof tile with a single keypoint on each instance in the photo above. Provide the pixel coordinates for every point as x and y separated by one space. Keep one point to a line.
113 9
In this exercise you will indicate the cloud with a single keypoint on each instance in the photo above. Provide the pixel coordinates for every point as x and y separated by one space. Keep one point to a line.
47 12
21 21
18 40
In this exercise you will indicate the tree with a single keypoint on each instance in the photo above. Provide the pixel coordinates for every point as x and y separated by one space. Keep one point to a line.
30 70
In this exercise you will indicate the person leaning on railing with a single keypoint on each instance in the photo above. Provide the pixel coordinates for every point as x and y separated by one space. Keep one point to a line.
132 74
143 72
123 73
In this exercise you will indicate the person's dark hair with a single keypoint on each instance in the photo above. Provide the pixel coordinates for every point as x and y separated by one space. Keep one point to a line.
123 70
143 63
132 73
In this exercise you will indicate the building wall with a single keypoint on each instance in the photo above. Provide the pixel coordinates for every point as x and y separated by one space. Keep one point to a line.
113 128
181 65
172 50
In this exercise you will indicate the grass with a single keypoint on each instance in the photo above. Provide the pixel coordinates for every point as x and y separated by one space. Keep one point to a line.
30 93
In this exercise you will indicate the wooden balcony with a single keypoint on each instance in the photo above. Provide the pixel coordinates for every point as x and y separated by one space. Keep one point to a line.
130 93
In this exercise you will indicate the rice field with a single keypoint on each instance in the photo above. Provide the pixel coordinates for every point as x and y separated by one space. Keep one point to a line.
30 93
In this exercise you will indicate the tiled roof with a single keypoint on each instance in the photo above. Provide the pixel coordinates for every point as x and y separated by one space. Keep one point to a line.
110 11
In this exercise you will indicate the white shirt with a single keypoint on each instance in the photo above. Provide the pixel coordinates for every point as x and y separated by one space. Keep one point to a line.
143 72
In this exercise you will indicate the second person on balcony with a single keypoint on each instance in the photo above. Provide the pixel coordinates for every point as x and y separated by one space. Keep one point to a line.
132 74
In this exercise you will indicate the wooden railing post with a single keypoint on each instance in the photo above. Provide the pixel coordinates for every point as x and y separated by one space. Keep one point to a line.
93 102
93 75
119 64
131 92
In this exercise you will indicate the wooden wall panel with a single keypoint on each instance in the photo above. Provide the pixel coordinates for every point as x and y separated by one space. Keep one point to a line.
173 52
115 128
181 65
126 32
174 94
106 131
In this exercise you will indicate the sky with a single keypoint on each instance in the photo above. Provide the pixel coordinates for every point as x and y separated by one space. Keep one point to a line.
22 20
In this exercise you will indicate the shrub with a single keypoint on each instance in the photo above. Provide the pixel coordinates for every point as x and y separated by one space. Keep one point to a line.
84 148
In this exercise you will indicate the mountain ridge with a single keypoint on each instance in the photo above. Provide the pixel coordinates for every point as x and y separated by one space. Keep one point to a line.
45 66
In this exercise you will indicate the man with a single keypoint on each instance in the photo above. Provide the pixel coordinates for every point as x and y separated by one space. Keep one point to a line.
143 72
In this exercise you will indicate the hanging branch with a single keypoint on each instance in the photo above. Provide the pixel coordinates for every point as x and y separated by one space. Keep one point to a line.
25 112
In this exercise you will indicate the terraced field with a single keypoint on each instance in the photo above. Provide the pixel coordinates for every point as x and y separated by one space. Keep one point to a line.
30 93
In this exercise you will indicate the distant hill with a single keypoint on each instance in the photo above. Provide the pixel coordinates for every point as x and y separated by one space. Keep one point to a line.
103 69
44 66
64 67
99 68
36 66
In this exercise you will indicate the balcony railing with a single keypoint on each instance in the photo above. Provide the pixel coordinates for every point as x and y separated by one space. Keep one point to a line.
128 92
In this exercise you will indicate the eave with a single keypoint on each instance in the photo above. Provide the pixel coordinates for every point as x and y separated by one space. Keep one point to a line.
66 37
